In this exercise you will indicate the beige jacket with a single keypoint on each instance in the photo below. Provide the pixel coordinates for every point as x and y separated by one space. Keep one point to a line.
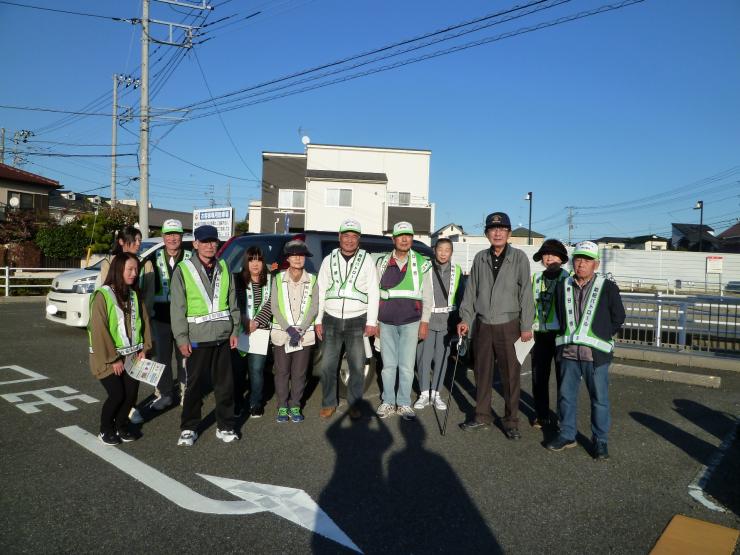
295 296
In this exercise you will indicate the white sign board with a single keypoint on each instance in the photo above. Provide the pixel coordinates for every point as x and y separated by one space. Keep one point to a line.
220 218
714 264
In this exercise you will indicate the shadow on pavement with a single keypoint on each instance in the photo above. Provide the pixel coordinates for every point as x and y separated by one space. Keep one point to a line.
419 507
722 483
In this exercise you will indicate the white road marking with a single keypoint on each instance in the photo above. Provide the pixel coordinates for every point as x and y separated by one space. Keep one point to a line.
45 398
290 503
696 488
32 376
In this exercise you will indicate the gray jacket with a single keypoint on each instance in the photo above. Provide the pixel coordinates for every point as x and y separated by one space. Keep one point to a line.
510 298
440 321
216 330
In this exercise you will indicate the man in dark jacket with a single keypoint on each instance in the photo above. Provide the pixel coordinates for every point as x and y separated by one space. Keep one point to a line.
590 311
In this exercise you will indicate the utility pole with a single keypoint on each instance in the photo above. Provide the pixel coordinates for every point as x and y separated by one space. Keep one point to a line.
114 139
570 222
144 129
2 145
228 194
529 227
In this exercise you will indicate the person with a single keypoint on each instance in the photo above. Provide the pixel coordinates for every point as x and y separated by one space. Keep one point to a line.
590 311
253 289
294 304
118 329
205 323
405 306
166 260
348 312
128 239
553 254
432 353
498 300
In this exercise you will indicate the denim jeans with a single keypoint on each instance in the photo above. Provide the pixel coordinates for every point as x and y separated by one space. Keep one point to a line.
350 332
398 350
597 383
256 365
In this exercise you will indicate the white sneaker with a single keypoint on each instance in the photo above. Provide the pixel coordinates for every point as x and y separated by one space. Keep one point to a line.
161 403
422 401
406 412
187 438
385 410
227 436
135 416
439 403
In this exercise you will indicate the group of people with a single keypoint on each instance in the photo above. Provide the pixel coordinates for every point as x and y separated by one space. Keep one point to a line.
187 311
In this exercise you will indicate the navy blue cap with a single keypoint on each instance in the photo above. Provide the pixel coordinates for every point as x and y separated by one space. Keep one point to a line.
498 219
205 232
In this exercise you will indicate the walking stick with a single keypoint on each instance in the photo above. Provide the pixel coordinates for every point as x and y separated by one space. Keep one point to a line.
461 350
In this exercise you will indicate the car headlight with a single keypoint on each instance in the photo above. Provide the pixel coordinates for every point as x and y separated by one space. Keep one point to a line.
84 285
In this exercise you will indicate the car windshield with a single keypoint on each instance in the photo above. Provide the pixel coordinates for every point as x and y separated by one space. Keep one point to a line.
146 245
272 248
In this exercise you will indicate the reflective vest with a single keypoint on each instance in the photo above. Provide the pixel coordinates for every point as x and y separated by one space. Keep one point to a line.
162 294
252 310
410 286
545 317
455 273
346 288
117 322
200 307
581 334
281 284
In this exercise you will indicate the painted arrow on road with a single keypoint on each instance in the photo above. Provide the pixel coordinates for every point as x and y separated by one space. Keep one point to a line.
290 503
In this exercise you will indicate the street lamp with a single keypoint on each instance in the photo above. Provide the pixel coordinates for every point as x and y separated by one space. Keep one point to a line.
529 230
700 206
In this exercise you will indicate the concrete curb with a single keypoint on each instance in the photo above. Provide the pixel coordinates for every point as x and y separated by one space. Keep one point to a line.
713 382
695 360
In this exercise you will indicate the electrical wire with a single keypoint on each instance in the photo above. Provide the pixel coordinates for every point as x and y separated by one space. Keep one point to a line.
132 20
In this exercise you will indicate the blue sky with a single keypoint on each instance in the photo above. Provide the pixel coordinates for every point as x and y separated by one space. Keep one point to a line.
635 107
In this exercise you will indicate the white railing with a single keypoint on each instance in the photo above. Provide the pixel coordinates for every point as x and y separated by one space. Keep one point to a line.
9 274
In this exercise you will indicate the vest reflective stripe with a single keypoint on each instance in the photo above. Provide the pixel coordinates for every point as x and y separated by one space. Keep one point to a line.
582 334
200 307
410 286
346 289
117 322
542 321
455 273
162 295
252 311
281 283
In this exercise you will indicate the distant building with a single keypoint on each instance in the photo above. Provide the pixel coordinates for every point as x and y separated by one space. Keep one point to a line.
730 238
642 242
329 183
447 231
22 190
687 237
520 236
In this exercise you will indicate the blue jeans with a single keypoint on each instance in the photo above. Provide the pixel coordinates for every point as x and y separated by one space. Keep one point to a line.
398 350
256 365
597 383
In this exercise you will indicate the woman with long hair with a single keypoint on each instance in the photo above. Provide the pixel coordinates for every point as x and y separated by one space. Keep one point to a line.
126 239
254 285
118 329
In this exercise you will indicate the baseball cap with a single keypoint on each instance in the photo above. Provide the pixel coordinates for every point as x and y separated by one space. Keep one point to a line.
403 228
498 219
172 226
205 232
588 249
350 225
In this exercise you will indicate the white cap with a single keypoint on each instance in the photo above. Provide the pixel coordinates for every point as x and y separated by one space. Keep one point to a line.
403 228
588 249
350 225
172 226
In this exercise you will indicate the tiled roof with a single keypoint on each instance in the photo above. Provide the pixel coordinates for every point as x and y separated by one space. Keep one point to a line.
14 174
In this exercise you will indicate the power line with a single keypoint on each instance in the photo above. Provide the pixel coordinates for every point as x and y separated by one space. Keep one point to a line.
68 12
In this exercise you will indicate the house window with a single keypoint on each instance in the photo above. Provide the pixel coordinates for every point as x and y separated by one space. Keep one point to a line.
339 198
25 200
290 198
404 199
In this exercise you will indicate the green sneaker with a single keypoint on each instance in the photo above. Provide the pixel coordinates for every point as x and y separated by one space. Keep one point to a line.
282 415
295 415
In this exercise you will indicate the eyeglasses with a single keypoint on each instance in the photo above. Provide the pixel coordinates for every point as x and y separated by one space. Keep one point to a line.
498 229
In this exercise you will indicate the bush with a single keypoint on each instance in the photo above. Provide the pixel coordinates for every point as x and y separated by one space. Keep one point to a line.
102 228
62 241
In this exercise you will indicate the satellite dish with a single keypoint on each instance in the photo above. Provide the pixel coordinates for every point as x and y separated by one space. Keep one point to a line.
14 202
305 139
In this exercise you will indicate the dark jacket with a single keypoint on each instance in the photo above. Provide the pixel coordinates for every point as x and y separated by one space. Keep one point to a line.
607 321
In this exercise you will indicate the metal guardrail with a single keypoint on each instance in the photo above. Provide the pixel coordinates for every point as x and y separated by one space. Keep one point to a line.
8 275
682 323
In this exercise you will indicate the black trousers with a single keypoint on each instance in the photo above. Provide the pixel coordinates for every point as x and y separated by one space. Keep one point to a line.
122 392
208 365
543 354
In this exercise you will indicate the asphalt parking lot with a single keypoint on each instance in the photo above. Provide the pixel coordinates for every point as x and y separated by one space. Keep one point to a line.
389 486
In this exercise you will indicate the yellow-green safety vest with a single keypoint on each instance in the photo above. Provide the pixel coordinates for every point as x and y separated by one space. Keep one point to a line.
455 273
200 307
545 317
281 284
582 333
117 322
162 295
410 286
346 288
